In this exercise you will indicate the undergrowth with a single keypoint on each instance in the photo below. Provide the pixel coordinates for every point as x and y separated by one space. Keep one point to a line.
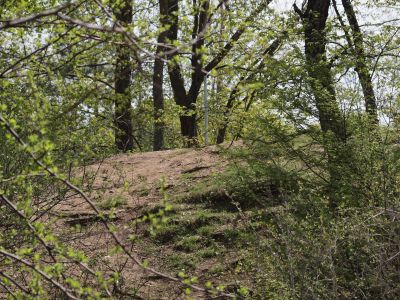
286 241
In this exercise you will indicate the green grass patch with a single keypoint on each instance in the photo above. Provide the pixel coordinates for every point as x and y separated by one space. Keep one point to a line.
217 269
181 262
168 233
210 252
206 230
113 202
189 244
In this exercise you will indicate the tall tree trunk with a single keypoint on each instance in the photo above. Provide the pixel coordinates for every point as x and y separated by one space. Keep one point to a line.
362 69
123 72
158 104
314 19
158 78
187 100
174 69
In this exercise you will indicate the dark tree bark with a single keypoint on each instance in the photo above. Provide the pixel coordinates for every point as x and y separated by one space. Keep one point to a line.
158 77
314 19
356 44
123 72
314 22
187 99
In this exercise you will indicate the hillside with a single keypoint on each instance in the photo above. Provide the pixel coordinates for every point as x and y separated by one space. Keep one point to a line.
137 178
199 238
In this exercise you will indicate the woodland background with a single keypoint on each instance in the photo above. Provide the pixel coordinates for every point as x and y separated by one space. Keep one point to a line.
306 200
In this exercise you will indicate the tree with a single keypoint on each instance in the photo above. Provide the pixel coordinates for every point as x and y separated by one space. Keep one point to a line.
314 19
187 99
123 73
356 45
158 78
268 53
323 204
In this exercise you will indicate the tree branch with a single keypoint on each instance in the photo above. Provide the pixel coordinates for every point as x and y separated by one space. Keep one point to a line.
22 20
235 37
102 219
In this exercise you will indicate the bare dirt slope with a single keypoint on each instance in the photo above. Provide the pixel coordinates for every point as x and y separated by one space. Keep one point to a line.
132 185
136 179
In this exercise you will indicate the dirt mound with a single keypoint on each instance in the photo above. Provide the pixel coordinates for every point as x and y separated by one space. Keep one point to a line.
132 185
130 181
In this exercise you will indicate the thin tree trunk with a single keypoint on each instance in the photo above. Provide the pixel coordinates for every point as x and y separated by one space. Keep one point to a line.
158 78
269 52
123 72
158 103
362 69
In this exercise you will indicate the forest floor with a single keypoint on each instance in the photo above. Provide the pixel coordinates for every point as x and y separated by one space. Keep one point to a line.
204 235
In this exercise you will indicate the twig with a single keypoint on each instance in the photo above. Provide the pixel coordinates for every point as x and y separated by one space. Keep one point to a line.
103 220
47 246
9 291
14 282
22 20
37 270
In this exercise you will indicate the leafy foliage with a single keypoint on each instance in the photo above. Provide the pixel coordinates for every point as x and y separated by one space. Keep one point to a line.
309 205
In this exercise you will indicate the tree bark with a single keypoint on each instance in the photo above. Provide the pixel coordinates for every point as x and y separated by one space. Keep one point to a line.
361 68
174 69
158 78
187 99
123 72
314 22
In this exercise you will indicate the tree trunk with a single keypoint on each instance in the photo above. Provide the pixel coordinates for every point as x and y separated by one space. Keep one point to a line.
158 77
318 68
314 20
361 62
123 72
189 129
187 100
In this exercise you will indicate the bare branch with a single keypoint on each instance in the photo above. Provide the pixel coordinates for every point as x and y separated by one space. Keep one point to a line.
235 37
39 271
22 20
93 206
